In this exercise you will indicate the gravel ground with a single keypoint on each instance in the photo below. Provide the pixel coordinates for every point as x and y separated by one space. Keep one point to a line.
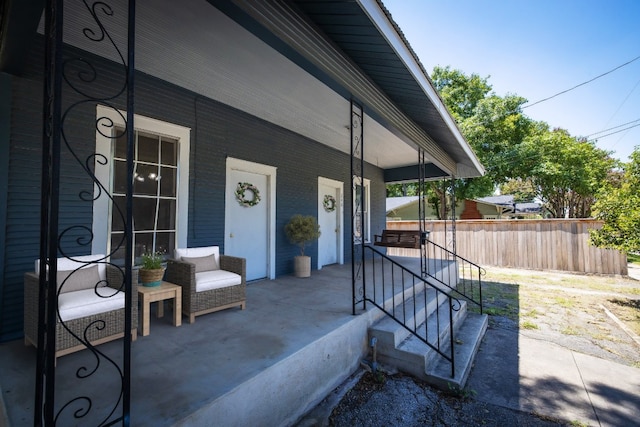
395 399
400 400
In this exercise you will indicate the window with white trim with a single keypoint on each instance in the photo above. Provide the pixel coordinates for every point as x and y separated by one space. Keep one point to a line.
160 189
362 206
154 193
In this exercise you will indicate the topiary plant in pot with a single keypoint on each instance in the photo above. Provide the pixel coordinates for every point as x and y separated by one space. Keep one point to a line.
302 230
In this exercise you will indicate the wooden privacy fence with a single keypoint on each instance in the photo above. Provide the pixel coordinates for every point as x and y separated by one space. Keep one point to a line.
537 244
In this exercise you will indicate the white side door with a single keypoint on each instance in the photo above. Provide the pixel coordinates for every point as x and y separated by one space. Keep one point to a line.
248 230
330 214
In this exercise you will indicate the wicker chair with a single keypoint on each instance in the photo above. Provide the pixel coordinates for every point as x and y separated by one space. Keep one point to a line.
209 281
74 287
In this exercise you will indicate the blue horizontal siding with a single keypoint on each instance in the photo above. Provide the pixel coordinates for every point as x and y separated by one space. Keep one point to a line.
217 131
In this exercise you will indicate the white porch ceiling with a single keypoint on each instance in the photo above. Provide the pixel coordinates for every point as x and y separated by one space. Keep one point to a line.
195 46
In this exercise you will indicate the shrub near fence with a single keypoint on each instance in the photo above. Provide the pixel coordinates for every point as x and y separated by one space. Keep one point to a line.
537 244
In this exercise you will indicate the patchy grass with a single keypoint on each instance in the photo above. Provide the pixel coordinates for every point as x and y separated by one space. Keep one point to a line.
589 282
567 304
528 324
627 310
570 330
499 299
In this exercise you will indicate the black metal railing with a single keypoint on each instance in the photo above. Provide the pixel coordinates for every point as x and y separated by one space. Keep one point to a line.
461 276
424 309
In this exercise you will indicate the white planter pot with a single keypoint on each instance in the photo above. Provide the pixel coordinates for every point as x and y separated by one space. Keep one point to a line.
302 266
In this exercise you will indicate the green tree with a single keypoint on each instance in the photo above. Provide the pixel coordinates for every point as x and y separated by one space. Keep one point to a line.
522 190
563 171
618 206
460 93
566 172
402 189
494 127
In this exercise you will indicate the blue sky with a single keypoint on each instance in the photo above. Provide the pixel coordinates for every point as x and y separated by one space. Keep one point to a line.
537 48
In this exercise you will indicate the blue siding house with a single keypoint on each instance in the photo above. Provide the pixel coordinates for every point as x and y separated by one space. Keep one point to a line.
226 92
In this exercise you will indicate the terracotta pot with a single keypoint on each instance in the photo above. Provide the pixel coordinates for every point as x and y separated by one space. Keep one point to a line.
302 266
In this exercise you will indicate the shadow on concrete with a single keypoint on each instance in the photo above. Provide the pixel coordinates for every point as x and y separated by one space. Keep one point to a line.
541 377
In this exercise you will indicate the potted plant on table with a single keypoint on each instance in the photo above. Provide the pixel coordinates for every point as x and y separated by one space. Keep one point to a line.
151 270
300 231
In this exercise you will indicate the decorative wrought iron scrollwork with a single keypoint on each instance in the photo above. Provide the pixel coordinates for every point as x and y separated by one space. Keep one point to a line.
72 88
456 305
357 219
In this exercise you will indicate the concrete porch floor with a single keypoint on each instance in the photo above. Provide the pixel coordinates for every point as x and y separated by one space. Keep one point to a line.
266 365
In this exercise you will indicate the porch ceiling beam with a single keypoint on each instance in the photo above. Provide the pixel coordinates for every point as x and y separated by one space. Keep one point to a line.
412 173
289 25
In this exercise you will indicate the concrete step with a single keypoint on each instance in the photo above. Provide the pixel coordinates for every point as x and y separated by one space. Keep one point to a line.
467 341
399 348
412 355
390 333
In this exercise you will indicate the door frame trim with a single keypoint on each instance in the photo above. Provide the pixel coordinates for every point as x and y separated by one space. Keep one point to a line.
270 172
339 185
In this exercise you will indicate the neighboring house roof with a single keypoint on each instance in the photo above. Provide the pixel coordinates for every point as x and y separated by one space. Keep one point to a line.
497 200
507 202
394 203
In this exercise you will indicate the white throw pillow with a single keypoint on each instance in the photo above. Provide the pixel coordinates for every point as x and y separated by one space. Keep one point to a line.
78 280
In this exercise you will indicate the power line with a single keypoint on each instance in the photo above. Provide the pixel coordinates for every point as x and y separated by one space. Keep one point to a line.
613 133
623 102
581 84
615 127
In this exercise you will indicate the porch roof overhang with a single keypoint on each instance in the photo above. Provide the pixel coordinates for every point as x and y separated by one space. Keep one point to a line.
351 46
380 68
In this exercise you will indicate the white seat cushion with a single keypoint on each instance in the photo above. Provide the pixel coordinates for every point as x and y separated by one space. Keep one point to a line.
73 305
215 279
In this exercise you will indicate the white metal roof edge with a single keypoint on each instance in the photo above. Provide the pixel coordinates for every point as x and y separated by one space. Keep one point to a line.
382 21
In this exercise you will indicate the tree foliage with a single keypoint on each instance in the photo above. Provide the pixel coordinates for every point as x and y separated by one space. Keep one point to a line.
563 171
618 205
566 173
460 93
522 190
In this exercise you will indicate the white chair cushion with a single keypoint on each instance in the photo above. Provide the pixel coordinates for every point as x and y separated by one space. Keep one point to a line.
73 305
65 264
198 252
215 279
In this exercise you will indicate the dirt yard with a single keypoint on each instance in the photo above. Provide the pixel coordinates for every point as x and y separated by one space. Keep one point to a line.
596 315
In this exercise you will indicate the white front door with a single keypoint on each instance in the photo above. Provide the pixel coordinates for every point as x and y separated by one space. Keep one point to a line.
330 216
248 226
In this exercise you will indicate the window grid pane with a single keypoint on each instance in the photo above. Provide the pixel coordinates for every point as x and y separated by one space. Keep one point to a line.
154 194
